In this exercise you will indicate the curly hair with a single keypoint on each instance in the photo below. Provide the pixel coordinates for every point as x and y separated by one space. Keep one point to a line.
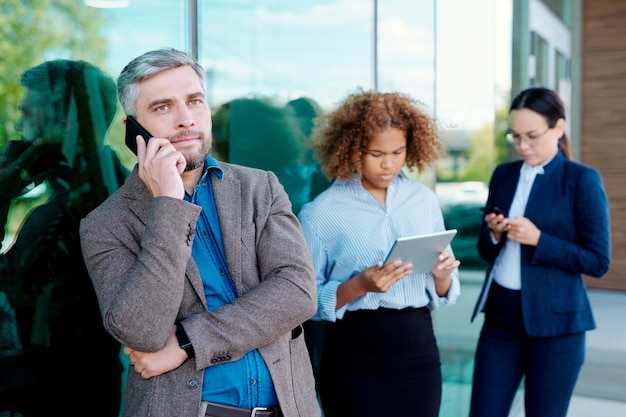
341 136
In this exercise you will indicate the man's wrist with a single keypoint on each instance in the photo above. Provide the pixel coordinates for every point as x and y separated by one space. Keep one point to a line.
183 340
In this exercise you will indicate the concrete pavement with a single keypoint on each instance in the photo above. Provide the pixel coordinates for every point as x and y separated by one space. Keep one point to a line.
601 388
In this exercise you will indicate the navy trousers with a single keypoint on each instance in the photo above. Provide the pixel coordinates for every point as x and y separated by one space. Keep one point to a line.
505 354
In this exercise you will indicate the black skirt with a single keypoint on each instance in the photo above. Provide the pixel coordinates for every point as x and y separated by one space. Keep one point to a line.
381 362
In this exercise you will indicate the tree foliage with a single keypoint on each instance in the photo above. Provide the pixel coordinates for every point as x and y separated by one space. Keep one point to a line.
487 148
34 31
480 156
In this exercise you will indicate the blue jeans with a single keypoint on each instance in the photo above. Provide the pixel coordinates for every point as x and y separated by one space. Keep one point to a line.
506 353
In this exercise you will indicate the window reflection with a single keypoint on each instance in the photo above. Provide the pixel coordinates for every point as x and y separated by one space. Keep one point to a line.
262 133
286 49
49 317
302 57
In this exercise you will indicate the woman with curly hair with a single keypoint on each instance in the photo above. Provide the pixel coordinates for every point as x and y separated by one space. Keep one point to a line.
380 355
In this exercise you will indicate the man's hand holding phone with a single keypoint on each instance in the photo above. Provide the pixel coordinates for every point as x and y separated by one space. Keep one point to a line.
160 164
133 128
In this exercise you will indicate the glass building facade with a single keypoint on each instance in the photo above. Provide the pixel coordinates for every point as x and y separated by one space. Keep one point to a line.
273 65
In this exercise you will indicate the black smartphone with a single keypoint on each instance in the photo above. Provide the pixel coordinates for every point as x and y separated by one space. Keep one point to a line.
133 128
489 210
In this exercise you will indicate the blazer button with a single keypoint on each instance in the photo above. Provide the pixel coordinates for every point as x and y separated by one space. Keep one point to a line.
220 357
190 235
192 383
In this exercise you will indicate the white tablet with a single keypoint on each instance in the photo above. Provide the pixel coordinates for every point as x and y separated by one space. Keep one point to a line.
421 250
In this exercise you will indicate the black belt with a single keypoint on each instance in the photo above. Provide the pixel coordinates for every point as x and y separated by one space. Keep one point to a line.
223 410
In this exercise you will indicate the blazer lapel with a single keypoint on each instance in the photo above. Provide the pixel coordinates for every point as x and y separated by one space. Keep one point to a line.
506 189
227 195
136 191
538 200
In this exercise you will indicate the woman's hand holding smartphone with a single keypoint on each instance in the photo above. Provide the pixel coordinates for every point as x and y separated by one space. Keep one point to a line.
489 210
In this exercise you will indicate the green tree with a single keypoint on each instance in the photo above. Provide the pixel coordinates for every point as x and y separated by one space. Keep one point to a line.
479 156
484 153
504 150
33 31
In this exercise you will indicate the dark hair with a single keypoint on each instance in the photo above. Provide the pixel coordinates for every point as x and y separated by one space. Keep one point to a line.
82 99
262 133
341 136
55 81
306 110
548 104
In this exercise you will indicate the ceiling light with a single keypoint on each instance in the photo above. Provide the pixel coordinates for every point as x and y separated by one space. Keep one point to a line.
108 4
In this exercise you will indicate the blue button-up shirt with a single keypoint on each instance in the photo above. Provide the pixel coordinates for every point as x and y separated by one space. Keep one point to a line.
244 383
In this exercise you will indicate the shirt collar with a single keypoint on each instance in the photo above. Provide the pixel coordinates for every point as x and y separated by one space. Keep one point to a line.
213 167
529 171
355 179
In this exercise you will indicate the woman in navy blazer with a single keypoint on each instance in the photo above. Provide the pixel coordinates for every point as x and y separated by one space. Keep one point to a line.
553 228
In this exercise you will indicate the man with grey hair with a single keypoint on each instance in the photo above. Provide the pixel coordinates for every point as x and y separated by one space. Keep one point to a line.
200 267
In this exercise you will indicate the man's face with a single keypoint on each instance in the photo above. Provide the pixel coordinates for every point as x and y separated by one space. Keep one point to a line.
38 123
172 105
33 116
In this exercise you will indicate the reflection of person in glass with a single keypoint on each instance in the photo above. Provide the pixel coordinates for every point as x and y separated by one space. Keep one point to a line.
556 229
66 110
307 111
257 133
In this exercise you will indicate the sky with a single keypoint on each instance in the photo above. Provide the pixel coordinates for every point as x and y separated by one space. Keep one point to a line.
325 49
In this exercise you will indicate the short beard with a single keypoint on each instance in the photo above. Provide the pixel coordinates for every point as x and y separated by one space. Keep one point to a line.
194 164
195 160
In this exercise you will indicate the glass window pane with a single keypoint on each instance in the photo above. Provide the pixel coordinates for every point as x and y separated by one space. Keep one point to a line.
70 110
539 57
286 49
406 49
272 68
142 26
56 167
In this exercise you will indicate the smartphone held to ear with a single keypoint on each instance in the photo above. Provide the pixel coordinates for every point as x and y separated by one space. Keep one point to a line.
133 128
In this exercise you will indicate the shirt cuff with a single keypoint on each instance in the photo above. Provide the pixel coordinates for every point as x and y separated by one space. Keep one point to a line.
327 302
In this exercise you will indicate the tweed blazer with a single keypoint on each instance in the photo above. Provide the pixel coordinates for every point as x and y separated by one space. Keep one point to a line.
138 252
570 207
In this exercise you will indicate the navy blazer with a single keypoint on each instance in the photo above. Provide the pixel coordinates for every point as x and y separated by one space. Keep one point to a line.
570 207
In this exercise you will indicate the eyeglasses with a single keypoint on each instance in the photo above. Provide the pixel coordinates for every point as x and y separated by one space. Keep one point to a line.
530 140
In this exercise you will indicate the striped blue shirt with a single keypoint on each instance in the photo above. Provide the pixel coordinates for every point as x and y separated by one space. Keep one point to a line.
348 231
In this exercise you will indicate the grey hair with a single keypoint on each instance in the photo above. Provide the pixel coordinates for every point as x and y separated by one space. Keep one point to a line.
148 65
